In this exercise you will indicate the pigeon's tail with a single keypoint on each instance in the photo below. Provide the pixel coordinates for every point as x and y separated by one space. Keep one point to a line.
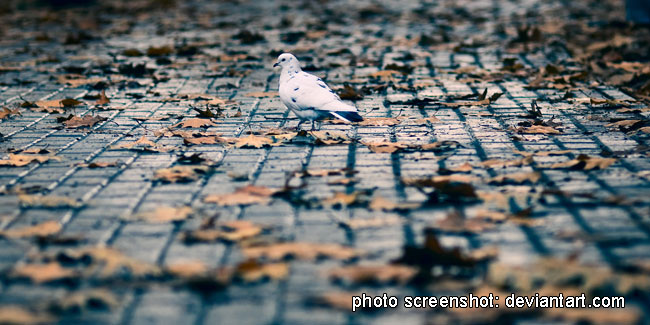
348 116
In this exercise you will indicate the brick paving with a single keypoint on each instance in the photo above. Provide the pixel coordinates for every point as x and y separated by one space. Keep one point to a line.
109 194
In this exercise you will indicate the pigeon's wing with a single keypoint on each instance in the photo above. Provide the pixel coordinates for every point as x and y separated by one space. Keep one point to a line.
307 91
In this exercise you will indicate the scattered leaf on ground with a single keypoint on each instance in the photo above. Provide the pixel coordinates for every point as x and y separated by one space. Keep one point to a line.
43 229
300 250
19 160
247 195
374 274
180 174
165 214
43 273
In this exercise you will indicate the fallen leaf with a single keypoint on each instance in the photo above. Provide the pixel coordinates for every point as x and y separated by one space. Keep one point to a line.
516 178
47 201
14 315
584 162
350 93
76 80
180 174
142 144
431 253
19 160
253 141
83 301
608 102
43 273
379 121
543 153
247 195
8 112
464 168
253 271
424 121
262 94
86 121
342 200
382 204
194 123
537 129
498 163
43 229
103 99
374 274
375 222
108 262
300 250
230 231
58 103
165 214
385 146
187 269
100 164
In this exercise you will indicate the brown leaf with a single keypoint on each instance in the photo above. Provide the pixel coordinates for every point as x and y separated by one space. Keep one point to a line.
19 160
180 174
142 144
14 315
86 121
194 123
300 250
497 163
76 80
43 229
246 195
432 253
374 274
253 271
341 200
424 121
103 100
165 214
8 112
86 300
385 74
537 129
608 102
385 146
464 168
100 164
350 93
516 178
381 204
584 162
230 231
253 141
187 269
108 262
262 94
375 222
380 121
48 201
43 273
543 153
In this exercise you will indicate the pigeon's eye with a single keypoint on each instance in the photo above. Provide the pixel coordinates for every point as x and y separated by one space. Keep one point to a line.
283 60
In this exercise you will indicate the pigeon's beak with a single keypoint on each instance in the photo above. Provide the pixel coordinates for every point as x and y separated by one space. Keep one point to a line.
277 64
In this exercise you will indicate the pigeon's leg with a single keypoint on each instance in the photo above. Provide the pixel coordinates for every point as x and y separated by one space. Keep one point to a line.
298 126
312 124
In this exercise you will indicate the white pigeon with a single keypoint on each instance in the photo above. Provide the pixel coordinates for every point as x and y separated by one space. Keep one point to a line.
308 96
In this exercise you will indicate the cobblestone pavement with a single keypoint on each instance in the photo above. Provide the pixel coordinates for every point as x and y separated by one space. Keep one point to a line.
598 217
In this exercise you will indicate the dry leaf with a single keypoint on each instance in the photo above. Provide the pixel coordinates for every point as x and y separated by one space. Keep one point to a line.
180 174
19 160
43 273
385 146
103 100
340 199
43 229
15 315
253 271
537 129
497 163
253 141
374 274
543 153
76 80
165 214
47 201
375 222
86 121
300 250
142 144
381 204
247 195
379 121
464 168
58 103
194 123
262 94
108 262
100 164
93 299
230 231
8 112
516 178
584 162
187 269
424 121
